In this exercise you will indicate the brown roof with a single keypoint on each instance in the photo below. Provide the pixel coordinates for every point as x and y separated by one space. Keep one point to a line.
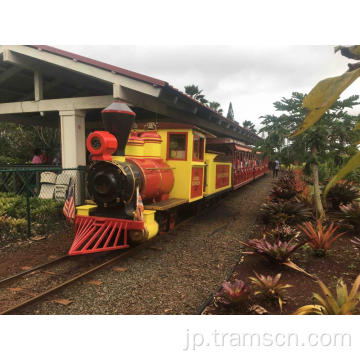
135 75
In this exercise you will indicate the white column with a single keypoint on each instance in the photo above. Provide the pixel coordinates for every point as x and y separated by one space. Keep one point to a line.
73 151
73 148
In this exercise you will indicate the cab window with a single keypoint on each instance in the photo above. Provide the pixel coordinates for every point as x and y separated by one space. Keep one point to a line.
198 148
177 146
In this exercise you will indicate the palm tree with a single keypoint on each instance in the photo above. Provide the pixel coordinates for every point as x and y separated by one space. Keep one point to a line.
196 93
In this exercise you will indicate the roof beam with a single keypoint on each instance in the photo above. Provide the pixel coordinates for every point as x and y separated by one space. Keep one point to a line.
79 103
85 69
33 120
156 106
7 74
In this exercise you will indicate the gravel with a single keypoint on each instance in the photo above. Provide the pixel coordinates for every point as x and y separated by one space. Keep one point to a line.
177 273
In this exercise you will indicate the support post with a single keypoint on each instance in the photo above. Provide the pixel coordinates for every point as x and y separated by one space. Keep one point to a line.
73 151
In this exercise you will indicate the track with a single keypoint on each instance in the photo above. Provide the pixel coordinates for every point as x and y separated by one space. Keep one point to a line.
125 253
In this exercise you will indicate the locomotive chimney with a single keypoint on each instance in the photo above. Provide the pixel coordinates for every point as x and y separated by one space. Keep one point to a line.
118 119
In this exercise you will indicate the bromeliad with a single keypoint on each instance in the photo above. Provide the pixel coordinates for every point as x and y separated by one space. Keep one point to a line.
343 304
320 237
270 286
233 294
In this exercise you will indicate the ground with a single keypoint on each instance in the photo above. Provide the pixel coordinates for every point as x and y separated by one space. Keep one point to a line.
176 275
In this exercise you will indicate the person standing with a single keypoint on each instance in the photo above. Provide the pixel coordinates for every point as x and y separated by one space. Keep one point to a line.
276 168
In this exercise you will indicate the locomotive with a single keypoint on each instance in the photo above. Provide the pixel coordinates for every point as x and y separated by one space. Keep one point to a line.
138 179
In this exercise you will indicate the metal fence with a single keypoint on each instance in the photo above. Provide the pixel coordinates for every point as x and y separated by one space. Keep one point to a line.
25 191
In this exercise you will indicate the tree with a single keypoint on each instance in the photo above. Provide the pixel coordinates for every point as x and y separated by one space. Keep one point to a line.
323 96
247 124
331 140
17 142
230 113
196 93
215 106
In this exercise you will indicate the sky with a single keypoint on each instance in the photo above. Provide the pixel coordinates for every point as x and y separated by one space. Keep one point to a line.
251 77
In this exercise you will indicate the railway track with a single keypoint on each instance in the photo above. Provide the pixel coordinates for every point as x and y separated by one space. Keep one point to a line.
36 297
72 279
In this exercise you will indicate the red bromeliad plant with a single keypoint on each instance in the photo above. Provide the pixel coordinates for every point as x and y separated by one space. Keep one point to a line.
233 294
278 251
320 237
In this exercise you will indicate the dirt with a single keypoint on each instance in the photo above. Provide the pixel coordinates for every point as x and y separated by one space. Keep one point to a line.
34 252
342 260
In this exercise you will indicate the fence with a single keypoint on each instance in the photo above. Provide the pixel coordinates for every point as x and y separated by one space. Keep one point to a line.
26 191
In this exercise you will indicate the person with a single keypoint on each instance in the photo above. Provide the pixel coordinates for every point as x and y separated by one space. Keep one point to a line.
276 168
36 160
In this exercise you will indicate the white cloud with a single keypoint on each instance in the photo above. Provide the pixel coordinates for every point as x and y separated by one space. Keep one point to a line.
252 78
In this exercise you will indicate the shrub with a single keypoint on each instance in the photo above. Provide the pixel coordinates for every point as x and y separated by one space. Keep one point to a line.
351 214
343 192
343 304
279 251
320 237
282 233
288 212
270 286
233 294
42 210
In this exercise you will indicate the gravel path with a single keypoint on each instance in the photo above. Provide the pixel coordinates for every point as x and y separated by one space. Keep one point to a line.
177 273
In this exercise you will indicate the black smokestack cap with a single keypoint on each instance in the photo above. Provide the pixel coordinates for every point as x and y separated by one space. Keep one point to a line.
118 119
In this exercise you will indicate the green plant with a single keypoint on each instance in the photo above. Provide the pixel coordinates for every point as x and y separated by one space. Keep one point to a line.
270 286
288 212
343 304
344 193
351 214
233 294
320 237
11 229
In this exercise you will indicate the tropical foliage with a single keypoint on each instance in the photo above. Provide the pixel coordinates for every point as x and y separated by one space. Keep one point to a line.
351 214
233 294
278 251
323 96
320 237
270 286
289 213
344 192
343 303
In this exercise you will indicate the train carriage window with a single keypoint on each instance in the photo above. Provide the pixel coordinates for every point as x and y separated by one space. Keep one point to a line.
198 148
177 143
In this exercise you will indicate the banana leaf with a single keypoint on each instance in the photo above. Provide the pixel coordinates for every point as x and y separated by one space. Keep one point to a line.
351 165
322 96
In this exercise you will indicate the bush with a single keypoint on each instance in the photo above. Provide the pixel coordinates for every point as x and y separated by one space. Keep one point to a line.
289 213
42 210
344 193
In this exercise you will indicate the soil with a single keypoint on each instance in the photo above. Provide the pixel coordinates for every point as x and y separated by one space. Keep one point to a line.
342 260
35 251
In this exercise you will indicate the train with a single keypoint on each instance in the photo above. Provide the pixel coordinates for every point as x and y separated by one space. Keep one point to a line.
141 175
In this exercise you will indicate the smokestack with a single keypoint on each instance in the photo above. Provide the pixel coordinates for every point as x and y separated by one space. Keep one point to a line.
118 119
